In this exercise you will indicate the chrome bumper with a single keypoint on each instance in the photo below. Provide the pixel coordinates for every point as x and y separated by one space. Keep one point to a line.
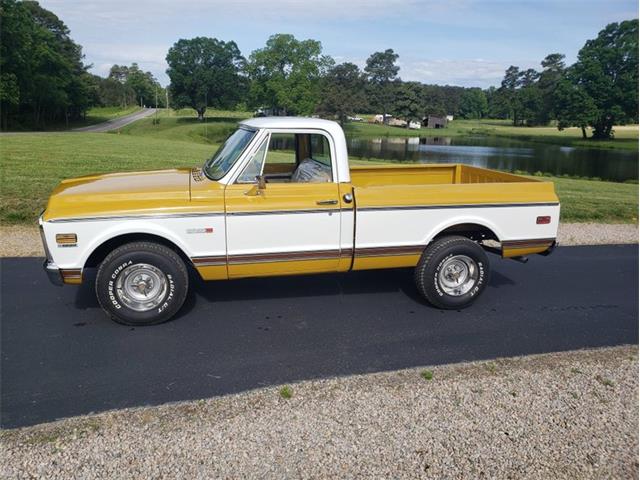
549 250
53 273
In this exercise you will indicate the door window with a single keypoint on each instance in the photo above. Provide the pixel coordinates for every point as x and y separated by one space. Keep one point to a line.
291 158
254 167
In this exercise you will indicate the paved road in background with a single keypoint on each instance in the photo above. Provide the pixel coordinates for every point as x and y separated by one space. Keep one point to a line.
117 122
99 127
61 356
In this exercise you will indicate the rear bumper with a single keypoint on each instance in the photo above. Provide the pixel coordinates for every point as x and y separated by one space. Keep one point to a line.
549 250
53 273
522 248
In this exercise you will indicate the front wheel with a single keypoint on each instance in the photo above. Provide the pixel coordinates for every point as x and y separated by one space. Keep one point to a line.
142 283
452 272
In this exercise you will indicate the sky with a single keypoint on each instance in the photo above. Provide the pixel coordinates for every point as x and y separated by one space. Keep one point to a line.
467 43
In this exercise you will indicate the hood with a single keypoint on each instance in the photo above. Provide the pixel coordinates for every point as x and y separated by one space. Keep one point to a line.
120 193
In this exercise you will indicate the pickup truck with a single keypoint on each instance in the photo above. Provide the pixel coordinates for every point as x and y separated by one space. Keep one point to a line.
279 198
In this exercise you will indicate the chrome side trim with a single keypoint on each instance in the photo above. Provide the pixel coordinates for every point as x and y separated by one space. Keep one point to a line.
471 205
151 216
285 212
293 212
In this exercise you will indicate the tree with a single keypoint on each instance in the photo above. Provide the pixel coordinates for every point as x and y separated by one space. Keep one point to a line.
451 98
433 100
129 86
205 72
473 104
343 91
381 71
573 107
43 77
285 74
497 103
553 72
408 103
607 70
529 104
507 91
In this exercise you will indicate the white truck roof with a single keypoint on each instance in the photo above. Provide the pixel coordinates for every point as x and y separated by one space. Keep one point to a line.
291 122
303 123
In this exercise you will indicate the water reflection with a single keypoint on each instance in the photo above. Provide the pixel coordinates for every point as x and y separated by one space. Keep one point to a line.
499 153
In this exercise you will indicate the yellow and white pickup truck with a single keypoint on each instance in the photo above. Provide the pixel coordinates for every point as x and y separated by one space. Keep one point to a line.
279 198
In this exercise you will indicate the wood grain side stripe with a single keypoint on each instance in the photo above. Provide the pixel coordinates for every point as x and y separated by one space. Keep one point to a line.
308 255
270 257
528 243
211 261
389 251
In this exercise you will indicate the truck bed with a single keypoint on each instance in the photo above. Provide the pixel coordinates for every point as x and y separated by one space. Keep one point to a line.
448 184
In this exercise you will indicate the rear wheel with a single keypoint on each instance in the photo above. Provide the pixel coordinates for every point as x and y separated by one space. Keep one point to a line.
452 272
142 283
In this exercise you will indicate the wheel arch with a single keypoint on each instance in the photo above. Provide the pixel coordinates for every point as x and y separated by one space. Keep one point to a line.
100 252
473 229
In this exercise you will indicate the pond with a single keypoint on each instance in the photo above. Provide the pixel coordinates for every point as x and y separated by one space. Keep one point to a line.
501 154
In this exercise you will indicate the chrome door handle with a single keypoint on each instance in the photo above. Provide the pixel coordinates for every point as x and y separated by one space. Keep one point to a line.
327 202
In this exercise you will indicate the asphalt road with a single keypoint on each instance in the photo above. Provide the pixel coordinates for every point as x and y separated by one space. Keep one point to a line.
97 128
61 356
117 122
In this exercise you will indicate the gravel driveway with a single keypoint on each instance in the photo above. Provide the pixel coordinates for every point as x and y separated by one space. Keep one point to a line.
569 415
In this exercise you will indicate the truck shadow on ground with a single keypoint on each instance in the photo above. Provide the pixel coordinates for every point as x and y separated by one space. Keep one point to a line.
329 284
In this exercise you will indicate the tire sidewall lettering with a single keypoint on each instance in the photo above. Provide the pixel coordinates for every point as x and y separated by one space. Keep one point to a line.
170 294
111 289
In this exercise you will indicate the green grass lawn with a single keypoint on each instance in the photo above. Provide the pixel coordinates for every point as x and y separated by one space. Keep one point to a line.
103 114
626 137
600 202
169 126
32 165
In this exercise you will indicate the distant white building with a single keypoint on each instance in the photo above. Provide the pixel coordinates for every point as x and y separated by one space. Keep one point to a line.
449 118
380 118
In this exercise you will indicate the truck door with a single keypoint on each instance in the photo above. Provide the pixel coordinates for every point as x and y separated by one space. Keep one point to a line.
289 222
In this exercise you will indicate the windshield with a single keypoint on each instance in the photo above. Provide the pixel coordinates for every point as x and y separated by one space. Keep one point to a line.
217 166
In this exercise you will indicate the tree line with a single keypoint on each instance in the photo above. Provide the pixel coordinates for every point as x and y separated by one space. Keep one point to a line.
599 91
43 80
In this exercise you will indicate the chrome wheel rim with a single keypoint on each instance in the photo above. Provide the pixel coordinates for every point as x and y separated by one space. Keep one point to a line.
141 287
458 275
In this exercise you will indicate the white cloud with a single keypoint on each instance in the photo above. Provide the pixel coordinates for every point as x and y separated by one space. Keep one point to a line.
467 73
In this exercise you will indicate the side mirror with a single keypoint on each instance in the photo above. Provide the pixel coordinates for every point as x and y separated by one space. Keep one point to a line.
258 187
